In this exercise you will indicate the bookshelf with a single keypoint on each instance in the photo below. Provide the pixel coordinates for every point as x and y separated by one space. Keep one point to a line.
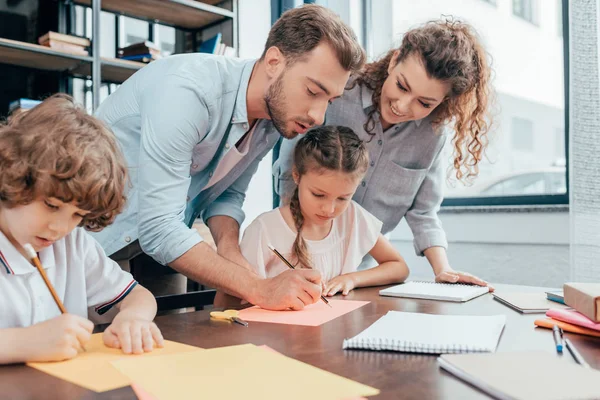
190 16
186 14
35 56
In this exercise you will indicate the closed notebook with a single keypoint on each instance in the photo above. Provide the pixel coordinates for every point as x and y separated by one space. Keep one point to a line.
527 303
430 333
435 291
565 326
524 375
573 317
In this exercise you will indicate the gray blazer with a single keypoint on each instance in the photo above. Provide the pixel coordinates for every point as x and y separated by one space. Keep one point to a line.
405 176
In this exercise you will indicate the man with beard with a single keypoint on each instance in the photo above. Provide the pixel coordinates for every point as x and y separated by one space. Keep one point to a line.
193 128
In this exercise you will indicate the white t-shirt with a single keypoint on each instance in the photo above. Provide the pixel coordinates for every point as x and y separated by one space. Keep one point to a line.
82 275
353 234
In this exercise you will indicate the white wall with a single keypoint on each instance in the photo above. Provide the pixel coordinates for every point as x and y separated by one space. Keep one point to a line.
254 25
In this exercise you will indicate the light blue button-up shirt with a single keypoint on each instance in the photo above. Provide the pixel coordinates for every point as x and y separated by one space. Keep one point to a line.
175 119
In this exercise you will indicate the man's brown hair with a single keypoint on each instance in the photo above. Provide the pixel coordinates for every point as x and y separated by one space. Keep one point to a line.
57 150
299 30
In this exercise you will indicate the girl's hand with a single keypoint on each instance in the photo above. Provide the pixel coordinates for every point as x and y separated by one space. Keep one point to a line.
342 283
451 276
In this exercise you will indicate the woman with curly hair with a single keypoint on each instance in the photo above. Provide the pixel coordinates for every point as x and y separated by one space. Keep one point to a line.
399 105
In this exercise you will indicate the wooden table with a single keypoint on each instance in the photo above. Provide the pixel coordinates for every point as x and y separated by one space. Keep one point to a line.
397 375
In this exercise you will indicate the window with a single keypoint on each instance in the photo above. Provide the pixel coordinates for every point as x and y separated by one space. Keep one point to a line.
525 159
525 9
559 19
522 134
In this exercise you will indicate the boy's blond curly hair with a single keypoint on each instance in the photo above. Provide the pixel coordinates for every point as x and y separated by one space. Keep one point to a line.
57 150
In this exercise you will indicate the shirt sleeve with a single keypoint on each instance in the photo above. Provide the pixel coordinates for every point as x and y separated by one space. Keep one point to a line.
282 170
254 247
367 229
422 216
364 234
175 118
105 282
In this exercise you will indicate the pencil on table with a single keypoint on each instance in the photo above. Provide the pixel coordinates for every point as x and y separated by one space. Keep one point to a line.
38 264
286 262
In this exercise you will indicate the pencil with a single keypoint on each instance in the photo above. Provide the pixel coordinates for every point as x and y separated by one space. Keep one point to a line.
286 262
38 264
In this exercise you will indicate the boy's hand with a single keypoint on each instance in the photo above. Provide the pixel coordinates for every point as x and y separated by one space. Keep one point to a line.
132 335
57 339
342 283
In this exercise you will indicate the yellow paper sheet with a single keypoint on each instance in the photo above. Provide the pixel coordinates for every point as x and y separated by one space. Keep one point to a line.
237 372
93 370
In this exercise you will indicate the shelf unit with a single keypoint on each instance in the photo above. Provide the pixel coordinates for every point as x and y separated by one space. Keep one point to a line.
186 15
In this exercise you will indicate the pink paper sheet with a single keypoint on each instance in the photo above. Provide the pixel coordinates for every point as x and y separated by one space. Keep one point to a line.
573 317
313 315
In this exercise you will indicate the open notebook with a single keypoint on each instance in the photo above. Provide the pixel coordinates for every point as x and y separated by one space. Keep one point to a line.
430 333
435 291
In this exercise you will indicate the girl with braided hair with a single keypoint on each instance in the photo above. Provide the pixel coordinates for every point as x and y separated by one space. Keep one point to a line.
400 105
322 228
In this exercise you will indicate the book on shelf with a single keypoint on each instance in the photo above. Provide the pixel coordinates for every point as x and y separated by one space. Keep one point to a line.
66 47
211 45
22 104
61 37
145 58
143 51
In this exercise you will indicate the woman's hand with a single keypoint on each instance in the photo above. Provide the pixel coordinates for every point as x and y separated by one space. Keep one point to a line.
452 276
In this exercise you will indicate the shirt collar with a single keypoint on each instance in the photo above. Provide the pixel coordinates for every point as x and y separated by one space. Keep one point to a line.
14 263
240 111
367 101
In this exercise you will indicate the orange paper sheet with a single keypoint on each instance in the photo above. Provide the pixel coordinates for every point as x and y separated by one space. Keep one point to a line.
313 315
567 327
267 348
93 370
141 393
237 372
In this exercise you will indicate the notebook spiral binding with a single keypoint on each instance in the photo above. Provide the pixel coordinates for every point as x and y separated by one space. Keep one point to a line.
409 347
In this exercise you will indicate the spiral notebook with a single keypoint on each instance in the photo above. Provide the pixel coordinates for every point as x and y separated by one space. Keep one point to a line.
435 291
430 333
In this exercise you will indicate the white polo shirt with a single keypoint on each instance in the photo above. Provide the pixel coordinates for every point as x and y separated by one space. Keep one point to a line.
81 273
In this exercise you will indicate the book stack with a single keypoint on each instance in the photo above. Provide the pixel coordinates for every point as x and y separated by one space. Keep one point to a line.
585 318
143 52
67 43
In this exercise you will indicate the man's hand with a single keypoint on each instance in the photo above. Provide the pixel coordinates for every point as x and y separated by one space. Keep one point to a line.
293 289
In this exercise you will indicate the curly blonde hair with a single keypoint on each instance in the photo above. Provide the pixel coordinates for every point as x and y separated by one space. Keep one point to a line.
57 150
451 52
